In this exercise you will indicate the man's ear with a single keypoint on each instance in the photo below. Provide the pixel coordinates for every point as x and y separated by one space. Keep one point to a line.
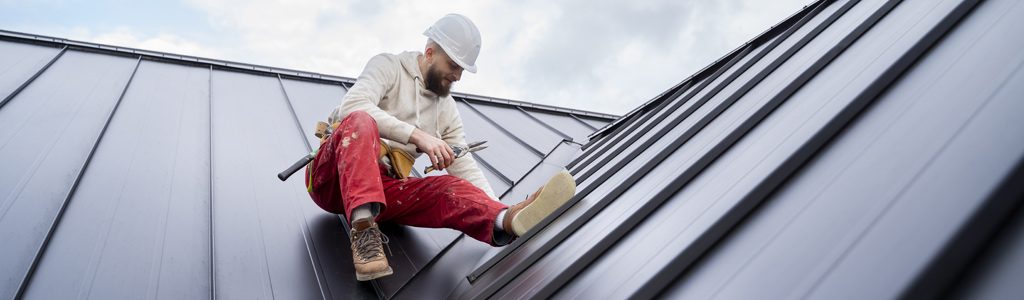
428 53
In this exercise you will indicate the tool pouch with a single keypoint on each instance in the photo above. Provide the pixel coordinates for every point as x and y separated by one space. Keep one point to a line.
399 161
321 131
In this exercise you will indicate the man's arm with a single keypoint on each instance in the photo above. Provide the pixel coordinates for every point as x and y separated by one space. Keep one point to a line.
379 75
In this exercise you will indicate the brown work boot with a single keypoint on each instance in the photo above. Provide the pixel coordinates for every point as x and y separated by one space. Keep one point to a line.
521 217
368 250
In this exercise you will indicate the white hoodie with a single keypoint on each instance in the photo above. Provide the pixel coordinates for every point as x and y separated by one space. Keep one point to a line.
392 90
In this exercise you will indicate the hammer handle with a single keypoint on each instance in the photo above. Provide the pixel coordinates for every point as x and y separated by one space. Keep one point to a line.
295 167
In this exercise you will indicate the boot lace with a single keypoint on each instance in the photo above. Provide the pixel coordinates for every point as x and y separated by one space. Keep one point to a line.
368 243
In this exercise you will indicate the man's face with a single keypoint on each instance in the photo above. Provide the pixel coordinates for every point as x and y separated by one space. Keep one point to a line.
441 73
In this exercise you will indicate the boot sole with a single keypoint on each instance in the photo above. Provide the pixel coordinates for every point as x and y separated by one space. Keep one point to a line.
372 276
553 195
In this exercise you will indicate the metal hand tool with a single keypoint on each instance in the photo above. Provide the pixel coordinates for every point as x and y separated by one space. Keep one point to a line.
461 151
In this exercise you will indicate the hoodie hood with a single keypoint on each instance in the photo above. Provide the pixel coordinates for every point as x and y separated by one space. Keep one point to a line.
410 64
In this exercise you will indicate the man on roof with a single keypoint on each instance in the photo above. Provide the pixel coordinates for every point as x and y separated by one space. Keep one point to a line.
401 106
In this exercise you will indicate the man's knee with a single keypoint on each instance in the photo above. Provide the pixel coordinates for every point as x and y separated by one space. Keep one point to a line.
359 122
359 116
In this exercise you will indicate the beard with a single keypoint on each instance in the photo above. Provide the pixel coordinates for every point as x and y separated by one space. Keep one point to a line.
435 83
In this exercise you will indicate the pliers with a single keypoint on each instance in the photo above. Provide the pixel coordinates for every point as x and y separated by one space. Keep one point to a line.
461 151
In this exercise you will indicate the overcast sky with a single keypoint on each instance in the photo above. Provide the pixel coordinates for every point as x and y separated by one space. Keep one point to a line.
604 56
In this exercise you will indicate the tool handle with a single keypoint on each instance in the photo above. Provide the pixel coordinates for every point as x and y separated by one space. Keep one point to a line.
457 150
295 167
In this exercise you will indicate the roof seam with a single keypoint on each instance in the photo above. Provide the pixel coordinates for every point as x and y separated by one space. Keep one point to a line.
534 167
27 279
213 240
502 280
534 105
807 150
314 260
758 38
33 78
622 131
504 130
295 117
489 167
574 117
545 125
679 104
608 198
665 96
703 161
574 225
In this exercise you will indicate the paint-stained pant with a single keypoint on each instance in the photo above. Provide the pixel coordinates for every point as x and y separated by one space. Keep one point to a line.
346 174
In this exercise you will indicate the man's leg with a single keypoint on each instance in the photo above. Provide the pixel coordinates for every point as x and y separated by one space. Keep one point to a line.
450 202
345 173
346 179
443 202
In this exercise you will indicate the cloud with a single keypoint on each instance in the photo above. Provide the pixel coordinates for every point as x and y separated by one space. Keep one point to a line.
163 42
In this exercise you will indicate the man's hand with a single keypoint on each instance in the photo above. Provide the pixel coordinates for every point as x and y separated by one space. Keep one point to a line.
440 154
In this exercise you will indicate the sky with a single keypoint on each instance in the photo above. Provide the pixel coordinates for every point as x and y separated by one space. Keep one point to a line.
596 55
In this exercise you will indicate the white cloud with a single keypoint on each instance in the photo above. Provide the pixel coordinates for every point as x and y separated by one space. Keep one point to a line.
163 42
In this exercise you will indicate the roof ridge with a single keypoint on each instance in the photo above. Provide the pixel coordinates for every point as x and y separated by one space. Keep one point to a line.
289 73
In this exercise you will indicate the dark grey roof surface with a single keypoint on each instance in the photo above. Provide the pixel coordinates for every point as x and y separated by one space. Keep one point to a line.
856 150
136 174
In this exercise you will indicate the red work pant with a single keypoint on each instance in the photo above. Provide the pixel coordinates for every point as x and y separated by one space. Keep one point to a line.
346 174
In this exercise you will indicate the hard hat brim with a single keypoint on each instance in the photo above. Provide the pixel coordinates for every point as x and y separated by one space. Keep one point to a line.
435 36
468 68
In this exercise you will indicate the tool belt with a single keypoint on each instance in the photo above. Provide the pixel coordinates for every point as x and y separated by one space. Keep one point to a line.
398 162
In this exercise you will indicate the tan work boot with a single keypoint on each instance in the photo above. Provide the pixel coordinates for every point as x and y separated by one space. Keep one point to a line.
521 217
368 250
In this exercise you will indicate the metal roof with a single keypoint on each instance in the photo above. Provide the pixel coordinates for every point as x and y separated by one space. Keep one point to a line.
136 174
859 149
856 150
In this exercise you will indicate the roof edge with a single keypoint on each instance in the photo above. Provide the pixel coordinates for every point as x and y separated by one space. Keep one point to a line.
289 73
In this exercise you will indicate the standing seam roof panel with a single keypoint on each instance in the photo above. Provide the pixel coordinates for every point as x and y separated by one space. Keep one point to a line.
258 239
547 266
326 238
596 124
955 169
595 149
997 271
587 282
19 63
695 140
149 200
528 130
515 254
504 153
753 152
261 239
564 123
312 102
633 133
37 180
655 146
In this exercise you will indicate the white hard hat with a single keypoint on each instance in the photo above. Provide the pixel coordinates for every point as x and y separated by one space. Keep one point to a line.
459 38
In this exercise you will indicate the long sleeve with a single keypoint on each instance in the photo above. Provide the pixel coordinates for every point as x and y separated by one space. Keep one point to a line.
379 75
465 167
